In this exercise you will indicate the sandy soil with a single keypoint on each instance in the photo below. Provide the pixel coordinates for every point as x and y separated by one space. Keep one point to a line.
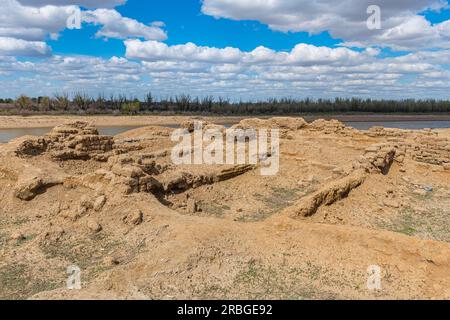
140 227
10 122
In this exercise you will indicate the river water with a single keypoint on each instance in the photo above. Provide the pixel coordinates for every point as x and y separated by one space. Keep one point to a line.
8 134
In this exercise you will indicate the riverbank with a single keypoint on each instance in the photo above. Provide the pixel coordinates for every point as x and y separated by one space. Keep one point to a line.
15 122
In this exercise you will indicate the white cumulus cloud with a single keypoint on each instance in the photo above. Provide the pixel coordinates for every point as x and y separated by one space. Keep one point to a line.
18 47
346 19
30 23
114 25
422 74
154 51
37 21
81 3
301 54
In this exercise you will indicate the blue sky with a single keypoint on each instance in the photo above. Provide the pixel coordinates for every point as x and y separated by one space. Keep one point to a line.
187 24
234 48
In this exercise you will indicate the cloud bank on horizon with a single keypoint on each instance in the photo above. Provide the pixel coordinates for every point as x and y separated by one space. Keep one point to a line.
408 57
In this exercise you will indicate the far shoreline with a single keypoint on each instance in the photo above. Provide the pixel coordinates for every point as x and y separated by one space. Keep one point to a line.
44 121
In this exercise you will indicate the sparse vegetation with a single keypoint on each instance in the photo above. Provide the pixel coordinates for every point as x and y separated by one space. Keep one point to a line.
17 282
213 208
84 254
81 103
278 199
303 283
433 225
2 240
25 240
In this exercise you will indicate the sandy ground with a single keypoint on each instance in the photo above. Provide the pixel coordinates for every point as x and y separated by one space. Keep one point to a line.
12 122
140 227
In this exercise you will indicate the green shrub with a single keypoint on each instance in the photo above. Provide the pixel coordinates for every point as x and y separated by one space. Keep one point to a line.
24 102
131 107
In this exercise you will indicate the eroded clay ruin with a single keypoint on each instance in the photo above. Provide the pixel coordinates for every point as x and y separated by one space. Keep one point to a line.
122 210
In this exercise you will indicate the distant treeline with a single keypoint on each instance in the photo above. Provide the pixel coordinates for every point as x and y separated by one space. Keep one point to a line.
121 104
